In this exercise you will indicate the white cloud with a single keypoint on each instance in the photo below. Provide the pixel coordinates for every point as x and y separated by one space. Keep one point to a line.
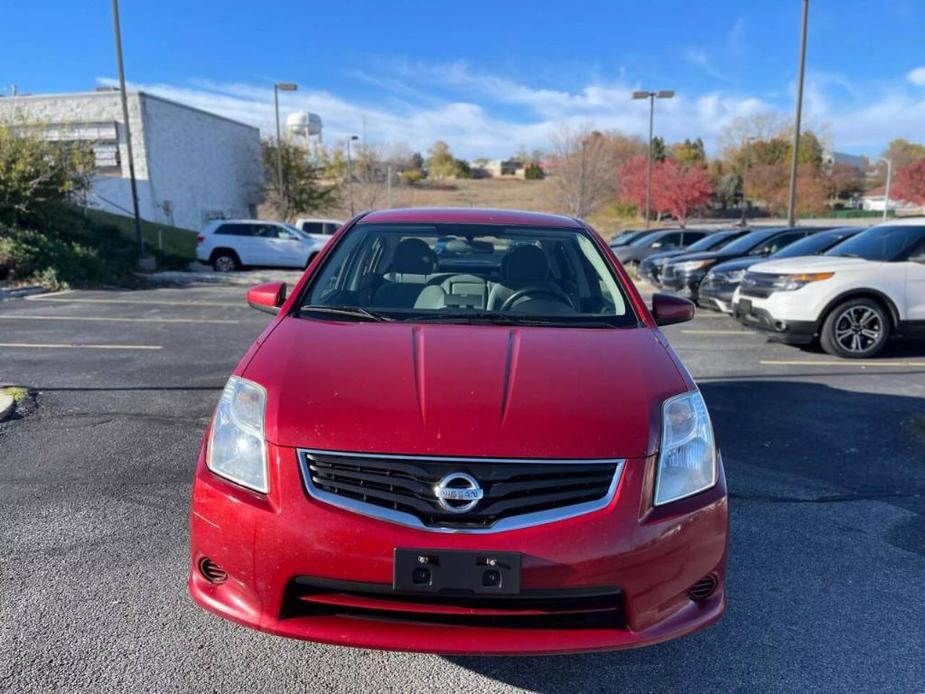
483 114
917 76
697 57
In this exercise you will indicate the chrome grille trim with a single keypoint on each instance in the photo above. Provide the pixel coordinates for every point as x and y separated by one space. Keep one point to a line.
527 520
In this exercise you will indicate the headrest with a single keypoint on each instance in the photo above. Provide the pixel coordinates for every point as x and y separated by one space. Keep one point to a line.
525 264
414 257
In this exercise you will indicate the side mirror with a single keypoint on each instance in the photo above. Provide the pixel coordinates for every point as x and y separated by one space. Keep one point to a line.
267 297
668 309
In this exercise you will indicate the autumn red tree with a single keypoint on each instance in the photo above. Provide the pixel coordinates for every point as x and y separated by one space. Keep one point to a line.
631 184
909 184
681 190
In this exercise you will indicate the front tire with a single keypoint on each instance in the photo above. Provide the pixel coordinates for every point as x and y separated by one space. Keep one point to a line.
225 261
856 329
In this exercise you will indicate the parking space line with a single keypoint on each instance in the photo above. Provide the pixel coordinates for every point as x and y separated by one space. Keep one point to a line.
41 345
30 316
846 362
717 332
151 302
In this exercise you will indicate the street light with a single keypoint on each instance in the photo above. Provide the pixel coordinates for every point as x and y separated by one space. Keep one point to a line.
748 142
651 96
277 88
791 198
117 33
889 176
350 171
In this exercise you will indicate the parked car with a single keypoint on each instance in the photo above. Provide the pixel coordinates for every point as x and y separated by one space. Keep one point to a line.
852 299
233 244
684 274
624 238
720 282
319 229
423 453
650 269
661 240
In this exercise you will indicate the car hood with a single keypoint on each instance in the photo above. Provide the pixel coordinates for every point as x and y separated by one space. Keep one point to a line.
717 256
463 390
737 264
812 263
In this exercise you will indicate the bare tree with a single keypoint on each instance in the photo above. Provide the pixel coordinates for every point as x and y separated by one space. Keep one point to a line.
585 176
370 172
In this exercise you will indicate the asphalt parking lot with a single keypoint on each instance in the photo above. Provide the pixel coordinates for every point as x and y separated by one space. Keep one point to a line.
825 461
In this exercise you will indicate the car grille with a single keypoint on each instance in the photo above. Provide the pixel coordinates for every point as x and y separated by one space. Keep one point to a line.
601 608
515 493
758 284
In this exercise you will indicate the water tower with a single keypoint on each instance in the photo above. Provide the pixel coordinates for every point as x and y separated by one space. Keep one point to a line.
304 124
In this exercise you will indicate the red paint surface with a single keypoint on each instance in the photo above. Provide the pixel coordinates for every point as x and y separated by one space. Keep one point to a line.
492 391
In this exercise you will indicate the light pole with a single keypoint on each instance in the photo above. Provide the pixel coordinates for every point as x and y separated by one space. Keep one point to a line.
748 150
581 181
791 198
350 172
886 196
281 188
651 96
117 32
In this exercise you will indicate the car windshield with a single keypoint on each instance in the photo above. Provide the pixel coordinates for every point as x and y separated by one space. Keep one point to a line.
881 243
467 273
629 237
711 242
743 244
811 245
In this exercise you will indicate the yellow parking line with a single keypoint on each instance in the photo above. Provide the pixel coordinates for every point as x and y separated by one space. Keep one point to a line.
151 302
41 345
717 332
29 316
845 362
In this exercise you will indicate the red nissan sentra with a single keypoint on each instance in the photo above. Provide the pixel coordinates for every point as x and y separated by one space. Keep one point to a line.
462 433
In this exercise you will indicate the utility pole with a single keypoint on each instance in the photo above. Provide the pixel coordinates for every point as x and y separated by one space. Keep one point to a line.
581 180
794 159
886 197
651 96
350 139
277 88
748 150
117 33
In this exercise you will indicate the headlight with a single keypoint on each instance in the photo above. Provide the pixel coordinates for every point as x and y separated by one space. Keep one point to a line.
687 457
691 265
729 277
237 446
789 283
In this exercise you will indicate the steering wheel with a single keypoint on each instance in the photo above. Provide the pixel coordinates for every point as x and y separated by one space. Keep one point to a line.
537 289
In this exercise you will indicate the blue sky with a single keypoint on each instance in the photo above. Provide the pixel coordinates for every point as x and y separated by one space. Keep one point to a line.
489 76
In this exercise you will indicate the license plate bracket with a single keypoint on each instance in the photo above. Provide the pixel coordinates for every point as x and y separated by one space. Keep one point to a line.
447 570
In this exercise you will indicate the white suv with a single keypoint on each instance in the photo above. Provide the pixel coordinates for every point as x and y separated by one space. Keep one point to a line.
232 244
852 298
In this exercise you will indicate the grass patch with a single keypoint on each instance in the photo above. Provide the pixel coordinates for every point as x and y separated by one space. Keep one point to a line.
18 394
177 241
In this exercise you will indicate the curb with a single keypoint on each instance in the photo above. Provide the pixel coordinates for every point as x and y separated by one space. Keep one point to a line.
19 292
6 406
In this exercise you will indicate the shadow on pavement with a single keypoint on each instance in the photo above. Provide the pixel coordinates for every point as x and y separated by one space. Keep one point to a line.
808 468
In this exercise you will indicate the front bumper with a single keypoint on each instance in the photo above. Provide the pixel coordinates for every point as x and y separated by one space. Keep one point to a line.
718 296
791 332
684 284
270 546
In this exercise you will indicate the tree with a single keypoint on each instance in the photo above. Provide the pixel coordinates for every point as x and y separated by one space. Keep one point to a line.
461 169
681 190
533 172
689 153
845 180
659 150
584 170
304 191
440 162
34 170
909 184
370 172
902 153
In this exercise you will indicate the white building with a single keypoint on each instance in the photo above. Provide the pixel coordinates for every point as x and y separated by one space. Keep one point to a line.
191 166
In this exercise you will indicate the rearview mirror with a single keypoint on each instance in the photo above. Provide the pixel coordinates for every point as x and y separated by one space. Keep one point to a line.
668 309
267 297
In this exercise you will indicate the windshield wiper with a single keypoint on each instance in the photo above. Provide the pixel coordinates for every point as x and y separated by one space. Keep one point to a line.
494 318
351 311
